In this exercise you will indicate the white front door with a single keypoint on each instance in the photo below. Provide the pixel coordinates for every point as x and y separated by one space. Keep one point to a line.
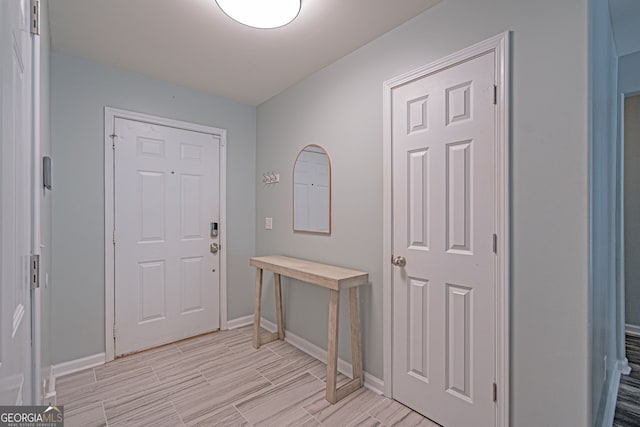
166 197
444 204
15 208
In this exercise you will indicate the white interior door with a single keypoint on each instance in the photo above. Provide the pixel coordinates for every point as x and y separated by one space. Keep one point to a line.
166 188
443 141
15 209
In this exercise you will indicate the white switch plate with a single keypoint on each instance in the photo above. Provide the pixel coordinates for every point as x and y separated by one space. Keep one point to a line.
268 223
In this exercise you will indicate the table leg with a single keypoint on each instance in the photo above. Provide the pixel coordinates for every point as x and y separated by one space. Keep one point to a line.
332 346
356 343
279 315
257 308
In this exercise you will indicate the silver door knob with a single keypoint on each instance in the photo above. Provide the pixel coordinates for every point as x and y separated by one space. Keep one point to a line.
214 248
400 261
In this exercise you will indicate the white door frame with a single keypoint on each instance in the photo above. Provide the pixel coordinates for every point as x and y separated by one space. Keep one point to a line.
110 115
500 46
621 324
36 238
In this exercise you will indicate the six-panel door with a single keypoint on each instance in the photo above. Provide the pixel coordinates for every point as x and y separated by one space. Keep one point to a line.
166 196
443 213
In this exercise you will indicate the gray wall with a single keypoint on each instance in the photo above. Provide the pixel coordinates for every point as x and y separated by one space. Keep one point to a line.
632 208
340 107
80 91
603 208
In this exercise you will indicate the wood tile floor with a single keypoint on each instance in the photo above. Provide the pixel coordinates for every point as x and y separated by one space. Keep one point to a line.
219 379
628 405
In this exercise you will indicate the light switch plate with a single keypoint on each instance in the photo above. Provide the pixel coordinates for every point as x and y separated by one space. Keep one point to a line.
268 223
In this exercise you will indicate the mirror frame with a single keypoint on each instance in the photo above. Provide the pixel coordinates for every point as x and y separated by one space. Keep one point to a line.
293 180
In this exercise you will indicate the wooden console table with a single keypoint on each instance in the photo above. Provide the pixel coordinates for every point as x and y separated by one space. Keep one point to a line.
328 276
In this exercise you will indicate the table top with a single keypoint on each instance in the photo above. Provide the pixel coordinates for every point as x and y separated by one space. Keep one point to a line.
328 276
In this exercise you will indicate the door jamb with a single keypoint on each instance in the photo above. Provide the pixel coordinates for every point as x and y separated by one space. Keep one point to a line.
500 45
621 328
37 190
110 114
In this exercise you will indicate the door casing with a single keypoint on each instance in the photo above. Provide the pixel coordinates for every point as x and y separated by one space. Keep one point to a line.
499 44
36 233
110 114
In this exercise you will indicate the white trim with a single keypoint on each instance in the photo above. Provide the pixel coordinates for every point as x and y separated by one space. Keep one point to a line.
70 367
387 223
77 365
619 223
371 382
632 330
240 322
222 172
50 394
36 193
110 114
612 394
499 44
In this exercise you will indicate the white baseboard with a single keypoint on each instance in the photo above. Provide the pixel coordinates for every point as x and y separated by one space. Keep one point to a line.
371 382
240 322
632 330
50 395
45 376
70 367
77 365
625 369
612 395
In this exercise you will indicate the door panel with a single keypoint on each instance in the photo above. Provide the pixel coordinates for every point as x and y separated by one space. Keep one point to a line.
443 141
166 195
16 202
458 335
458 197
191 284
418 325
151 290
418 188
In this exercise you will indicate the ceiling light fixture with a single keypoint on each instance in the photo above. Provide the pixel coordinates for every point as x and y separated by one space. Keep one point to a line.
261 13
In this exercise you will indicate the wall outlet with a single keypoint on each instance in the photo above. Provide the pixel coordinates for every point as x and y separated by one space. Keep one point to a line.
268 223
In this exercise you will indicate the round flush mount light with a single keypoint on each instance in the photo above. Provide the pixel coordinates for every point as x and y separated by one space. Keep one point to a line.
261 13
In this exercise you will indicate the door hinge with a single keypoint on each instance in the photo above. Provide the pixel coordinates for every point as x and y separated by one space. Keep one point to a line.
495 392
35 17
495 95
113 140
35 271
495 243
114 331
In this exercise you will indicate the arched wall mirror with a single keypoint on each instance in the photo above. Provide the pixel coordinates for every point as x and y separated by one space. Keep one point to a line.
312 191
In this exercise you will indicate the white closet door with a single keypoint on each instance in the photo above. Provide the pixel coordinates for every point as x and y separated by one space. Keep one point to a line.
15 208
443 209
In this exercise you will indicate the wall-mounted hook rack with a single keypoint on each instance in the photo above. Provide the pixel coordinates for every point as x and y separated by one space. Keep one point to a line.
270 177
